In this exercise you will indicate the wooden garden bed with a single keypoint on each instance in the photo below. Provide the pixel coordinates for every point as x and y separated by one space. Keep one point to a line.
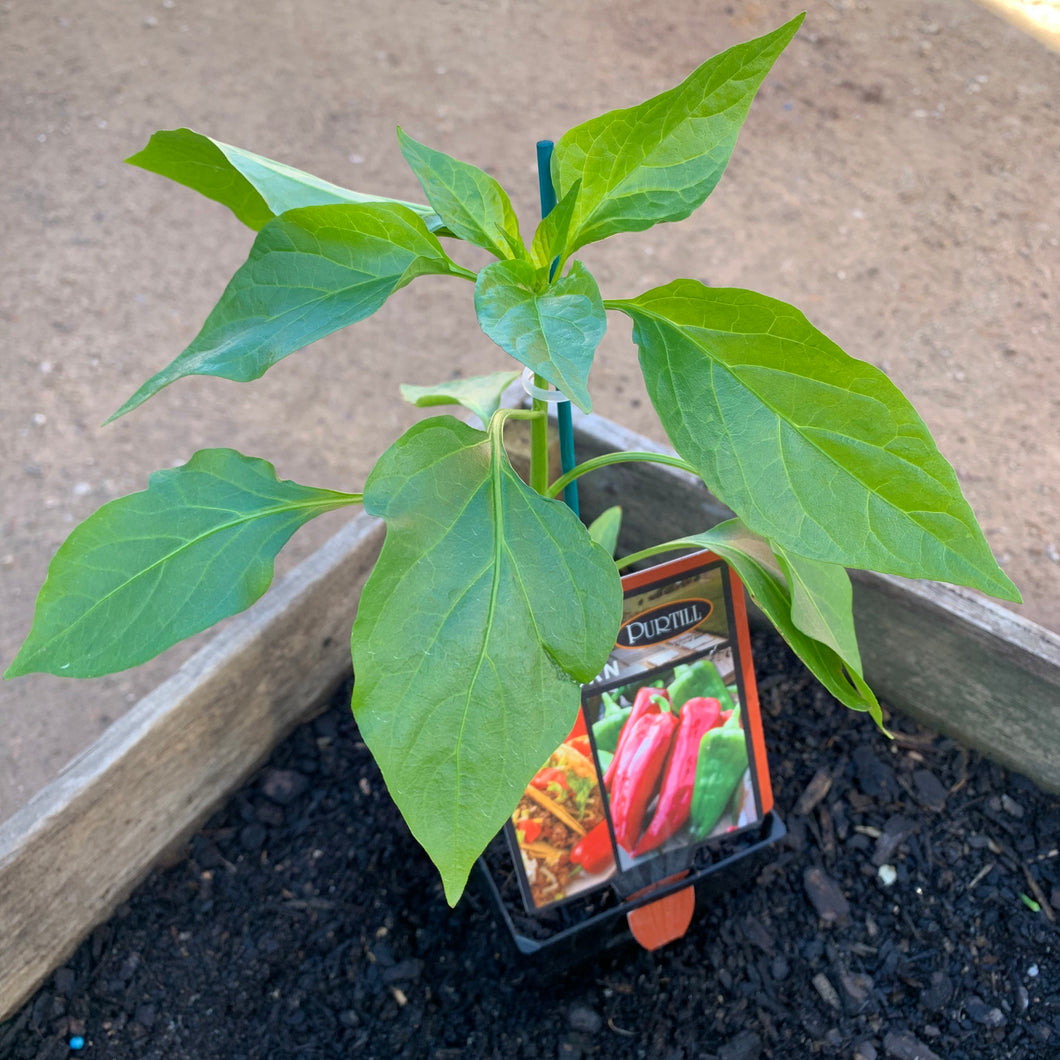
945 657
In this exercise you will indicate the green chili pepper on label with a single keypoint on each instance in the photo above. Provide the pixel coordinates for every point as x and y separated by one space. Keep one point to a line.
700 678
608 729
721 765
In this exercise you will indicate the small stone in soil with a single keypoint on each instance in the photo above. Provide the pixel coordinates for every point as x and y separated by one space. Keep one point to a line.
930 791
583 1018
896 831
901 1045
874 777
829 996
746 1046
856 985
283 785
937 993
812 794
824 893
406 971
983 1013
64 981
252 837
269 813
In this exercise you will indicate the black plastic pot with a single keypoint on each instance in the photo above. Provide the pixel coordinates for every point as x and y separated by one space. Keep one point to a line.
585 928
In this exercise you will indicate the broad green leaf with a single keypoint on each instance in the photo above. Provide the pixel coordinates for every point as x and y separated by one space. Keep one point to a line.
605 527
753 560
480 394
254 188
822 601
550 239
659 160
310 272
487 609
553 332
471 203
809 447
150 569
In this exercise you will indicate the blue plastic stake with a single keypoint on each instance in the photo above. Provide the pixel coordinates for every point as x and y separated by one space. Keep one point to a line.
563 416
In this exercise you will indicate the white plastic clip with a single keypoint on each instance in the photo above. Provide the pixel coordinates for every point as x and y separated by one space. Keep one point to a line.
552 396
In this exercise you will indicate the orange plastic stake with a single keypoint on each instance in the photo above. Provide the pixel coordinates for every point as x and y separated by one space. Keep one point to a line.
664 920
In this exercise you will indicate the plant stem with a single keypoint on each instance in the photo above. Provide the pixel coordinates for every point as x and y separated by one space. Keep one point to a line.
655 550
539 442
535 416
616 458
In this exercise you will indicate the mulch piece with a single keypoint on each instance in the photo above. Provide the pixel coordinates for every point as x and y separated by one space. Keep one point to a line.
911 912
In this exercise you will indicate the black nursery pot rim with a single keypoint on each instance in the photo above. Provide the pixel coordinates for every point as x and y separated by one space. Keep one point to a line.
587 934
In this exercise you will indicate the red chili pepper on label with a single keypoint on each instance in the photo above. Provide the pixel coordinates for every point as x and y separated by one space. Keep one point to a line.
648 701
698 716
594 852
638 774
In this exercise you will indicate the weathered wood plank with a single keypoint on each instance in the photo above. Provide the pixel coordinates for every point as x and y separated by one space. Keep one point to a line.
947 657
76 850
965 666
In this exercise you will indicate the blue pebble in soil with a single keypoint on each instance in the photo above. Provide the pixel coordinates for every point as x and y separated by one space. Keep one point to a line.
77 1042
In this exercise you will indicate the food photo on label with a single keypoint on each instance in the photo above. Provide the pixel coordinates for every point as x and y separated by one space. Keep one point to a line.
560 827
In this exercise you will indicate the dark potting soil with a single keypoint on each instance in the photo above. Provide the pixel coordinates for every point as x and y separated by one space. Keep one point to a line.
305 923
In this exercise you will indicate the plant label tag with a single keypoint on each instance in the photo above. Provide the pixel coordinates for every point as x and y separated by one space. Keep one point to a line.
665 767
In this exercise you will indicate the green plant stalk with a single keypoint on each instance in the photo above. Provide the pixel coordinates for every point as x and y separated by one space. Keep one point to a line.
652 550
606 459
539 442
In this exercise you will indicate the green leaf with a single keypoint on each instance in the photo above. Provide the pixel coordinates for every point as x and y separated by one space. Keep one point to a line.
473 205
553 332
659 160
310 272
753 560
150 569
822 601
809 447
480 394
550 239
254 188
487 609
605 527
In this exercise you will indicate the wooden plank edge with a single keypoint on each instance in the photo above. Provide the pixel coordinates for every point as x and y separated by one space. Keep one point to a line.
77 849
964 666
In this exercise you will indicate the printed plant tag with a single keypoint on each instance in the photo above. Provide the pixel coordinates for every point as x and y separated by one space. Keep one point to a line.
667 754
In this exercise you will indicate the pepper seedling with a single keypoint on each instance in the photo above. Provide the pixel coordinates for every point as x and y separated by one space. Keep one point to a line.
490 603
